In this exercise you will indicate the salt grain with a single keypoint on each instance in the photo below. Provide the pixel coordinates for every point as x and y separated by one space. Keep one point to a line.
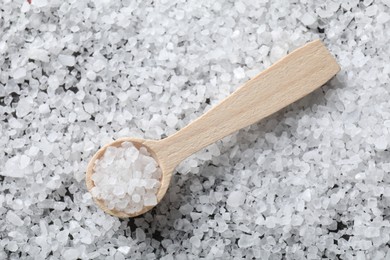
14 219
381 143
38 54
296 220
66 60
235 199
140 234
239 73
306 195
195 241
124 249
24 107
40 3
240 6
371 232
12 246
270 222
171 120
19 73
44 108
71 254
245 241
308 19
277 52
98 65
62 236
91 75
383 18
24 161
89 108
12 168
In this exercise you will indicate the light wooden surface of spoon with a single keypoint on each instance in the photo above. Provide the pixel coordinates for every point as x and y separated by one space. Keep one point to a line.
291 78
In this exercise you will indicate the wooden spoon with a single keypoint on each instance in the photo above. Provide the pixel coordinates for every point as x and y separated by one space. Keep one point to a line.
288 80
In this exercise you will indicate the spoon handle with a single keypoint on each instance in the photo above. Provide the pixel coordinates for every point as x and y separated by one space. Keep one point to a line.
288 80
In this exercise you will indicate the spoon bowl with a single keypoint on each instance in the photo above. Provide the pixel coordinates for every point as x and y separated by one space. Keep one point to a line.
138 143
293 77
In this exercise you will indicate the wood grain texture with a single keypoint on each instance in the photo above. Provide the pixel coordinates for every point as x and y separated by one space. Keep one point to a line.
288 80
291 78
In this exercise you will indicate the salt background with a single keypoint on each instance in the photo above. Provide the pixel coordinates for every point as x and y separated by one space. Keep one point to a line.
311 181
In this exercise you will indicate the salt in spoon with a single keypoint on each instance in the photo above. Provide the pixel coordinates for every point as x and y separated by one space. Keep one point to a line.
291 78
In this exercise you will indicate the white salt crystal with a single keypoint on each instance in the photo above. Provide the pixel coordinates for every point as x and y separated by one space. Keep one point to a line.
118 191
186 209
381 143
124 249
44 108
150 200
195 215
17 204
236 199
19 73
98 65
67 60
172 120
71 254
360 255
14 219
225 77
371 10
72 117
306 195
24 107
276 53
38 54
119 256
245 241
12 246
372 232
296 220
62 236
86 237
260 220
25 8
24 161
335 198
14 123
38 165
136 198
240 7
235 34
239 73
140 234
53 82
307 19
91 75
383 17
89 108
372 203
222 227
40 3
149 168
270 222
18 143
12 168
195 241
